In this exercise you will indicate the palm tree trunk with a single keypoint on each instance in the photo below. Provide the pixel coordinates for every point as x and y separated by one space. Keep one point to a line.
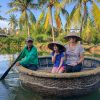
81 29
51 22
28 31
13 28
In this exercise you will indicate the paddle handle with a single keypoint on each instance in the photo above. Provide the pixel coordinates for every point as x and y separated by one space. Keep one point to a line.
7 71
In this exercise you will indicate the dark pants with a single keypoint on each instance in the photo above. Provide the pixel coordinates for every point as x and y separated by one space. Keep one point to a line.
30 66
76 68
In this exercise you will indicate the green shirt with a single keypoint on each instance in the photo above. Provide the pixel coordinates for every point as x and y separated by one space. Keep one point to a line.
29 56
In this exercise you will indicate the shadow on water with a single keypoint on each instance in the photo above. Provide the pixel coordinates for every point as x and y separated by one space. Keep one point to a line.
11 89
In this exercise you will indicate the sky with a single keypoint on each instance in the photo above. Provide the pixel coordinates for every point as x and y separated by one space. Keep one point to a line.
4 8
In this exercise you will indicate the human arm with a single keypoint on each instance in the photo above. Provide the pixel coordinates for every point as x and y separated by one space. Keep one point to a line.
54 57
22 55
81 59
61 63
81 55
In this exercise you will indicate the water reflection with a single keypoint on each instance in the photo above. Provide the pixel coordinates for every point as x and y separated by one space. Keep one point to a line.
14 91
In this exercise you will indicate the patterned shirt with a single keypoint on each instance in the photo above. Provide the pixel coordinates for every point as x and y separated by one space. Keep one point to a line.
73 55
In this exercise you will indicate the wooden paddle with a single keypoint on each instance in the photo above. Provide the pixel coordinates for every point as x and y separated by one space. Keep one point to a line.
7 71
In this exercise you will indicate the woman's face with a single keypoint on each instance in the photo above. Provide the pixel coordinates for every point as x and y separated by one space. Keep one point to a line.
72 39
55 48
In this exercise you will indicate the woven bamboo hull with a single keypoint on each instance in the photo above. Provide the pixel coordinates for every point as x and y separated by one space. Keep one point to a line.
65 84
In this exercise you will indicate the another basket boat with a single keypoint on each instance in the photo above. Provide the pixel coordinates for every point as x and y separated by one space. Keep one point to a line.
65 84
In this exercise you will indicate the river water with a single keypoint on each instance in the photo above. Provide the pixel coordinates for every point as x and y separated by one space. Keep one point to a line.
11 88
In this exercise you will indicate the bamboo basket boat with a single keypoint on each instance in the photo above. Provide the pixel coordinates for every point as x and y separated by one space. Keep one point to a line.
64 84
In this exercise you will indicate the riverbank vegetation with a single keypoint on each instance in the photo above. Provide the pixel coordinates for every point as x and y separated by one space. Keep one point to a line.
54 22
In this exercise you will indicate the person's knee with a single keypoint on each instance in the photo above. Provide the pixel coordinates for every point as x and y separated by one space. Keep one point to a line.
61 70
53 70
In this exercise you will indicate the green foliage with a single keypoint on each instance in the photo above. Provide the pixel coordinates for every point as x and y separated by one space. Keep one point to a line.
26 17
96 39
13 22
11 44
42 38
43 53
90 34
60 38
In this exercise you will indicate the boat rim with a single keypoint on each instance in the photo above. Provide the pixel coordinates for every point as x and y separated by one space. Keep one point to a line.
61 75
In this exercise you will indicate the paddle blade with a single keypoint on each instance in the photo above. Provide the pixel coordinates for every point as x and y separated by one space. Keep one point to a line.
5 74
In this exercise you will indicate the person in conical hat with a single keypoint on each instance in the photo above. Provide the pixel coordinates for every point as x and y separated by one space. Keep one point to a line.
57 57
74 53
29 56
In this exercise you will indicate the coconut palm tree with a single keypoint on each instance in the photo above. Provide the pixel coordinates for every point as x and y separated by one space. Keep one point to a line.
80 14
24 6
13 22
53 6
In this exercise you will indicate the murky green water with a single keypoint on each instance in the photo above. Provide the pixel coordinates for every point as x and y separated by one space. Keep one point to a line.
11 88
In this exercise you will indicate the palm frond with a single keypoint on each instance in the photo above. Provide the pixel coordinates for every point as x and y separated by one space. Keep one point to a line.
88 33
96 15
86 15
15 3
34 6
32 18
41 18
13 21
23 21
70 17
47 20
58 21
12 10
42 2
65 12
57 4
64 2
76 16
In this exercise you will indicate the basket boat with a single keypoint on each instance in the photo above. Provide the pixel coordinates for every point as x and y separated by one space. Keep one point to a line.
64 84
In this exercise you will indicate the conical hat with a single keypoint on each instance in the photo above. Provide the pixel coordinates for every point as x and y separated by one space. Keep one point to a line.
73 34
59 45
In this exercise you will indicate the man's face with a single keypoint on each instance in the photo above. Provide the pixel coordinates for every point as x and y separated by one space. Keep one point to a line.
29 43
